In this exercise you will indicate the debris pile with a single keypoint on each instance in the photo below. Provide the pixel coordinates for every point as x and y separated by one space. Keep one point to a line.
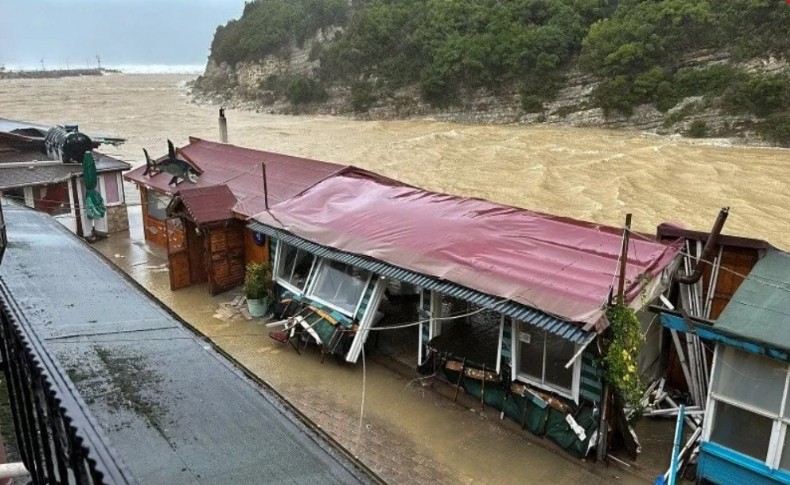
235 309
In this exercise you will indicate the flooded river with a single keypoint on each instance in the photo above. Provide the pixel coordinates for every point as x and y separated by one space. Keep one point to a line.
590 174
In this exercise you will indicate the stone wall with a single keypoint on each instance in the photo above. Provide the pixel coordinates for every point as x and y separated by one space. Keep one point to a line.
117 218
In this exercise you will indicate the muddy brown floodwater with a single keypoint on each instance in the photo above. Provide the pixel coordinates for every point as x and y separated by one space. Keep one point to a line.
590 174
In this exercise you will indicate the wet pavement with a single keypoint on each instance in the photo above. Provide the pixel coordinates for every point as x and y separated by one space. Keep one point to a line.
406 430
174 409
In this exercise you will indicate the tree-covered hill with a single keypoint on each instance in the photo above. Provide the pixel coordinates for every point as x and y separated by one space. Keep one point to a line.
634 53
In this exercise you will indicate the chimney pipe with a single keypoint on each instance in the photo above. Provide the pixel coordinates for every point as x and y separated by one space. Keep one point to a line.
707 252
223 126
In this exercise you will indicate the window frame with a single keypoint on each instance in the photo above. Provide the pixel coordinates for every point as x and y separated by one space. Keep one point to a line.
279 261
313 278
779 429
517 375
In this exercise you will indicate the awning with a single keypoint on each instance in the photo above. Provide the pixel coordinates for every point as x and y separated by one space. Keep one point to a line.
569 330
204 205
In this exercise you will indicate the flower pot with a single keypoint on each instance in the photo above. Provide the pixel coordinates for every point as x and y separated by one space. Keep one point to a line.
258 308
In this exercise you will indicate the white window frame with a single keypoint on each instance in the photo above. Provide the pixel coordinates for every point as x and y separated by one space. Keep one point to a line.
780 423
310 288
278 262
572 393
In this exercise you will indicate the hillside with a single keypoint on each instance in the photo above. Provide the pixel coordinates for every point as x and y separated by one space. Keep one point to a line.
698 67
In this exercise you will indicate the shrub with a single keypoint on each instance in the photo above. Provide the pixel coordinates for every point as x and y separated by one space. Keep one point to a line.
362 96
302 90
258 282
776 128
698 129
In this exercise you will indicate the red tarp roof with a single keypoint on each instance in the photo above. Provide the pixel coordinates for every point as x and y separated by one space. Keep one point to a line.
207 204
558 265
240 169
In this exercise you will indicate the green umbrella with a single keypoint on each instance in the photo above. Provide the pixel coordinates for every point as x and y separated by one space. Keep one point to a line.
94 205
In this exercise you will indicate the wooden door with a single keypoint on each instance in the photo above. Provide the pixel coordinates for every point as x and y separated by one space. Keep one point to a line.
225 258
177 254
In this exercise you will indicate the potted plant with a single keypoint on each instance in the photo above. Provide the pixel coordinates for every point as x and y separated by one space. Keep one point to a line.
258 288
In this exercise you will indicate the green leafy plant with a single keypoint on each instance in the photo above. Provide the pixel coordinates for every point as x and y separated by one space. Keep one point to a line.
258 283
620 359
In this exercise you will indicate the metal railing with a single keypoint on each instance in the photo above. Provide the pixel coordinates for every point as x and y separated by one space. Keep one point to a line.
3 235
58 439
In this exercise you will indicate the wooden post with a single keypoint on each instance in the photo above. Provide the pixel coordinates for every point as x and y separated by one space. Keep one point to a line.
265 189
624 258
74 182
603 425
223 126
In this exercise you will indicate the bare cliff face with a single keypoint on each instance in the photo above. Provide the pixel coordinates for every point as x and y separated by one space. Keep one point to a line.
252 86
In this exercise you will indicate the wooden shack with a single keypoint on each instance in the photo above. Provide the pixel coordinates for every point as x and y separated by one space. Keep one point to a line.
205 243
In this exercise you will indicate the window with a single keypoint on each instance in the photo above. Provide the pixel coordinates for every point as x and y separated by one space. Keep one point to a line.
339 285
294 266
112 193
748 402
541 358
157 205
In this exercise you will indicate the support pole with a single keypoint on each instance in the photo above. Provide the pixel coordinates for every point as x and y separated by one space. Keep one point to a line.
603 424
265 189
223 126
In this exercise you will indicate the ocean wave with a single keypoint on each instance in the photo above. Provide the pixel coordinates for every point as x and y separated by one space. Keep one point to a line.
124 68
158 68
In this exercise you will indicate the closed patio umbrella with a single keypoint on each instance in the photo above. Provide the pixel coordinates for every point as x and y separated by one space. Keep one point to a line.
94 205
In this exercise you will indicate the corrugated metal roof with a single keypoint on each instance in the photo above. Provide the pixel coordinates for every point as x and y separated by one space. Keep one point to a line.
46 172
206 204
240 169
760 308
569 330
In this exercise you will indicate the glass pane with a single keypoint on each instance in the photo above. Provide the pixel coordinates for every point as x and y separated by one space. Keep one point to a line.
157 205
340 285
784 463
111 188
300 269
558 352
750 378
287 257
531 352
741 430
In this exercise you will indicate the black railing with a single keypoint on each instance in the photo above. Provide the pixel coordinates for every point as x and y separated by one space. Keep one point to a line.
57 437
3 236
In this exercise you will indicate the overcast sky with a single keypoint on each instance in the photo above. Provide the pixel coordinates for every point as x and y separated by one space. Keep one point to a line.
120 31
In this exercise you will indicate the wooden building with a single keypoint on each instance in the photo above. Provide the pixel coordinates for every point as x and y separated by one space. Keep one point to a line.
29 176
202 221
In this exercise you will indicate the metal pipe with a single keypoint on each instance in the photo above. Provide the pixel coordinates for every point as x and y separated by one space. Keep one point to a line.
710 245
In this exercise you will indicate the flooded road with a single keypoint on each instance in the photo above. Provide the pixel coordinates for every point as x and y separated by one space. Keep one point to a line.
596 175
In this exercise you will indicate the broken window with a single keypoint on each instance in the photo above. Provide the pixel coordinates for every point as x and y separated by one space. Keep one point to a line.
339 285
157 205
541 360
294 266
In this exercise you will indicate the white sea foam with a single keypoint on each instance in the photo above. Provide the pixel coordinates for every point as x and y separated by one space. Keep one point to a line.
124 68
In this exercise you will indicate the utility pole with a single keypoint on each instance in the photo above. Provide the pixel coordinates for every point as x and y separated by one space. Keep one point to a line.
42 64
606 398
67 64
98 60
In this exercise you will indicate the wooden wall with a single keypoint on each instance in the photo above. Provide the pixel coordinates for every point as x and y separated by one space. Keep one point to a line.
52 199
153 229
253 252
226 257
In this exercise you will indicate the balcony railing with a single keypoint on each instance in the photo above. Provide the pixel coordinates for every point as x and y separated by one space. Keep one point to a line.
58 439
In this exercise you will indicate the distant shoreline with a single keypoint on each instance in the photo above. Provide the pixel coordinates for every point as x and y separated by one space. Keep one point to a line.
54 73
